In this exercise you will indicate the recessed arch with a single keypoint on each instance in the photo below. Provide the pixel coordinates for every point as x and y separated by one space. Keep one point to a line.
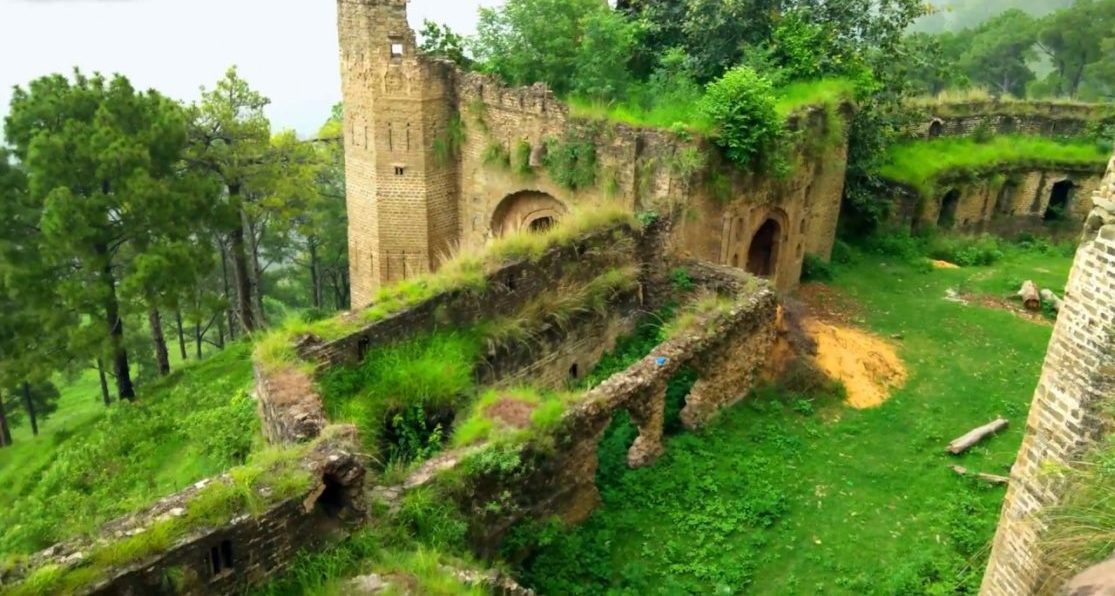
946 218
936 129
1060 200
526 210
762 254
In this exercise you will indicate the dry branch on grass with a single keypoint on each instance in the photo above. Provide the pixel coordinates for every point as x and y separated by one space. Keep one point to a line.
964 443
988 478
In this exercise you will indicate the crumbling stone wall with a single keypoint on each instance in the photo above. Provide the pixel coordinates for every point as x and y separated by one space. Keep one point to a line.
1005 201
1032 118
729 350
246 551
433 154
291 409
1069 413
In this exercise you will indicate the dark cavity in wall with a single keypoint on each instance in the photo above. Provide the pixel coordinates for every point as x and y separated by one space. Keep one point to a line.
1059 199
947 217
763 254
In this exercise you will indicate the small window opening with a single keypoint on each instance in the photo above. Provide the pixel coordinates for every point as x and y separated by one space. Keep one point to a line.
396 50
400 170
362 348
574 372
220 558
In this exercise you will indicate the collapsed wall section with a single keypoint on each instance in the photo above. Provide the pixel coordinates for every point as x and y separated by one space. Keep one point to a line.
1070 412
990 117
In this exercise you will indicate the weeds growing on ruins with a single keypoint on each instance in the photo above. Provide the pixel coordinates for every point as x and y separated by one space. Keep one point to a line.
681 296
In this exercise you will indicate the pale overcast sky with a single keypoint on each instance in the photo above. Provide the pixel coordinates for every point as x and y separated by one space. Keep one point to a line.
287 49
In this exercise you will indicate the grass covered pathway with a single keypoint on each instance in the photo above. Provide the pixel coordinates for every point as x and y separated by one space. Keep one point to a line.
793 494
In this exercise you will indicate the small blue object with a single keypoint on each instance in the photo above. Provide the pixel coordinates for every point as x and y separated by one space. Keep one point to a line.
661 360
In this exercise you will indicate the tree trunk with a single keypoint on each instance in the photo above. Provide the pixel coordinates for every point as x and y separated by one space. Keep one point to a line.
181 334
30 409
1031 297
198 337
115 328
242 279
104 381
315 274
220 333
228 293
162 357
5 431
256 272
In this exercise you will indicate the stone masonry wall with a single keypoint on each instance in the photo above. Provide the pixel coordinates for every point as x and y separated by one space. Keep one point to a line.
225 560
1032 118
1068 412
1006 202
728 350
412 196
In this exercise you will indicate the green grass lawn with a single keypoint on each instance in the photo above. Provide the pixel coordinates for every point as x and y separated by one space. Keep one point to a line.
781 496
90 463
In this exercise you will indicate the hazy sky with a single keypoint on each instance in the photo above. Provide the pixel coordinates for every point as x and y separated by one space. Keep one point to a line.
287 49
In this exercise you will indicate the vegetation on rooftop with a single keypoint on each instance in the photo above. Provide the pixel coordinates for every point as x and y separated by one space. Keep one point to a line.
920 164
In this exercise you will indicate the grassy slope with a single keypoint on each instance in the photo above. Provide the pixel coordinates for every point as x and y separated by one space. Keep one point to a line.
773 501
91 464
920 163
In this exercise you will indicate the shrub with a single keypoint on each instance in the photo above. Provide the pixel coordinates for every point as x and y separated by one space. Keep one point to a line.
571 161
815 268
742 107
966 251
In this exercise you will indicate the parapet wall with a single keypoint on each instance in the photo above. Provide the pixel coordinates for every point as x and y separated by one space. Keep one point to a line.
556 475
1070 412
1031 118
222 559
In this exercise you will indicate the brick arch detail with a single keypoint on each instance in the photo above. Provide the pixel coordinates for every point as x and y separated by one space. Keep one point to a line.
521 209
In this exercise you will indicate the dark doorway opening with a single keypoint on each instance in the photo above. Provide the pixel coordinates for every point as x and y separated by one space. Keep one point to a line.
946 219
220 558
763 254
936 129
542 224
1059 199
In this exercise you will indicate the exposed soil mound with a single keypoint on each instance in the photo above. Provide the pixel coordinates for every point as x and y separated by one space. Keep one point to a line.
512 412
938 264
868 366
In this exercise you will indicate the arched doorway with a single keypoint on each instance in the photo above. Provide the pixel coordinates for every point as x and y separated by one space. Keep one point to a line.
936 129
1059 199
762 256
946 219
527 210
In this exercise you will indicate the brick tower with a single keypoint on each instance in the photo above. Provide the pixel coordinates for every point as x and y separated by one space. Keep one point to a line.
400 163
1068 414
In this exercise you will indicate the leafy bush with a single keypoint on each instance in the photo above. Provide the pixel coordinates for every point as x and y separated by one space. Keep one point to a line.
742 108
966 251
814 268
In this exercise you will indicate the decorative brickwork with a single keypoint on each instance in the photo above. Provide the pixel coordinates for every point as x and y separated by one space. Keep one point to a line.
1067 415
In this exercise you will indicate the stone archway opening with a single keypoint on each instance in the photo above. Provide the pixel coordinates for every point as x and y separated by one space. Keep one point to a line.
762 256
946 218
936 129
529 210
1059 198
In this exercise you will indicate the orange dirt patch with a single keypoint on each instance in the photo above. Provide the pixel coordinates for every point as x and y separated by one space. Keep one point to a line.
943 264
868 366
512 412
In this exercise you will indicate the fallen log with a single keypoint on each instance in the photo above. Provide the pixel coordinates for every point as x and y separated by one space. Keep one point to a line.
1031 298
1052 299
988 478
974 436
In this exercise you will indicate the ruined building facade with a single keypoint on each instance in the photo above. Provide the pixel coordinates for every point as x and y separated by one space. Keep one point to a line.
439 159
1070 412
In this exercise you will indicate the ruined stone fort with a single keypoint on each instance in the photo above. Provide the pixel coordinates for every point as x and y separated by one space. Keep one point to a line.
441 162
